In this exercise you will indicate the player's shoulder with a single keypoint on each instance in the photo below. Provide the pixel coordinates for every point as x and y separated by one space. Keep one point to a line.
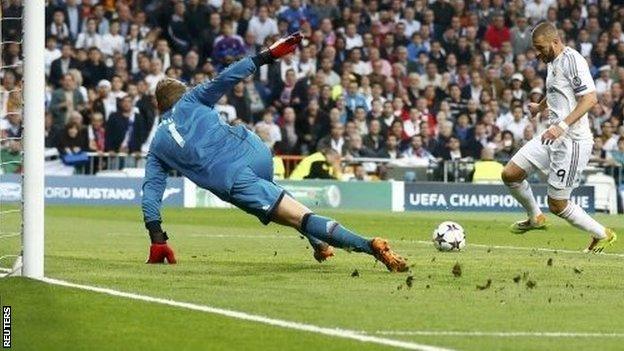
572 59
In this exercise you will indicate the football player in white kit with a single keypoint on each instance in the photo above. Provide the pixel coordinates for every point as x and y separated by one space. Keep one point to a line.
563 150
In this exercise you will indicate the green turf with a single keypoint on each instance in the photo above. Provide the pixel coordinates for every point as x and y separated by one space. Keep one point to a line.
227 259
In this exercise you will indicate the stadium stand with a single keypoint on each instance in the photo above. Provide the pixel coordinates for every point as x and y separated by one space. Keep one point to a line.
428 83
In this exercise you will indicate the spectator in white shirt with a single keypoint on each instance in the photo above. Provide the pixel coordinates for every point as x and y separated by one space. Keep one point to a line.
58 28
411 25
51 54
262 25
352 38
411 126
274 133
156 73
113 42
90 37
358 66
536 11
518 124
117 87
287 63
227 112
604 82
307 62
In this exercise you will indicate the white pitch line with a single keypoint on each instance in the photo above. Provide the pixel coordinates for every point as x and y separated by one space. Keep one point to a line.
421 242
524 248
335 332
499 334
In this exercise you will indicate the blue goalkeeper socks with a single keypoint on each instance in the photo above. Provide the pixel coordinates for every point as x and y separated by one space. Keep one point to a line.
331 232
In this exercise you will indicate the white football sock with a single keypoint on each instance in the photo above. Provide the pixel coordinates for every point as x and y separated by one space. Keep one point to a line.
523 193
576 216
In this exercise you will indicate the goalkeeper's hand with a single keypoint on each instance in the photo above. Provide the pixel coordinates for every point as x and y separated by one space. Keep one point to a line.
280 48
285 45
159 252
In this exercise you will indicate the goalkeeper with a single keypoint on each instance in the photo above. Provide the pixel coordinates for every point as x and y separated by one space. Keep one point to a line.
234 164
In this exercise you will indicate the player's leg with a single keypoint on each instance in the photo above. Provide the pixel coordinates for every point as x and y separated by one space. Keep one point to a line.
262 166
291 213
514 176
569 158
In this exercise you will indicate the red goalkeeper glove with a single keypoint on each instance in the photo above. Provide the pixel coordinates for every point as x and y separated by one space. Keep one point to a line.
282 47
161 252
286 45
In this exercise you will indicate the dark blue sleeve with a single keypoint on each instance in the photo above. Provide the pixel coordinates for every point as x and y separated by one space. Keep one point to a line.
154 185
209 93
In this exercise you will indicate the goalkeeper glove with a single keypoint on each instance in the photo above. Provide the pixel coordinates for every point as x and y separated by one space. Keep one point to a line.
282 47
159 250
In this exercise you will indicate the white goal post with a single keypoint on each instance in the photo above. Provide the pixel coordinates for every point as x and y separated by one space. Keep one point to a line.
34 135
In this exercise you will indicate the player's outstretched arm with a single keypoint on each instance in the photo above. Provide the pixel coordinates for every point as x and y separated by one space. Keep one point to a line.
209 93
154 186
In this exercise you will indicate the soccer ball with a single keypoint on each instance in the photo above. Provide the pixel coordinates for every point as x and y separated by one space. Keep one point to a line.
449 236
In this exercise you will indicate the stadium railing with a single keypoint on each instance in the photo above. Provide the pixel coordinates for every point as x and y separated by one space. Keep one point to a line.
455 171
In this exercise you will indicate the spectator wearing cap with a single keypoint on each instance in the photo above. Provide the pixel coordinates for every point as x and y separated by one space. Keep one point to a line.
516 87
536 95
604 81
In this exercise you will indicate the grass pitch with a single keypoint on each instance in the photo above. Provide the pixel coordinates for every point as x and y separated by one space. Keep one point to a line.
553 299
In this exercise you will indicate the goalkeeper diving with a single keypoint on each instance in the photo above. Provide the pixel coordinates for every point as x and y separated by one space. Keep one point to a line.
234 164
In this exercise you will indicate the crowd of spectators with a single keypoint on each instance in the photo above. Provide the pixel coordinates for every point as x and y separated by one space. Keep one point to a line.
418 81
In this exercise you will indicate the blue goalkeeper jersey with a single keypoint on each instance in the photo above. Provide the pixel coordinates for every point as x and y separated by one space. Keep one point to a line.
193 140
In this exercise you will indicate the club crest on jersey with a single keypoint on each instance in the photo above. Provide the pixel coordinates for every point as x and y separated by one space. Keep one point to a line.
576 81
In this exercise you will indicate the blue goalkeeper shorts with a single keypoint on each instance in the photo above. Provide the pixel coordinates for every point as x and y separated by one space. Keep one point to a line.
254 191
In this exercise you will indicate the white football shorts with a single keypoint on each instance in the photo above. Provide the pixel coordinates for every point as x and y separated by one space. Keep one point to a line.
563 162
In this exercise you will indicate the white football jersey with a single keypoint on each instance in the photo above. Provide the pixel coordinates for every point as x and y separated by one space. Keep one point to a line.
568 77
